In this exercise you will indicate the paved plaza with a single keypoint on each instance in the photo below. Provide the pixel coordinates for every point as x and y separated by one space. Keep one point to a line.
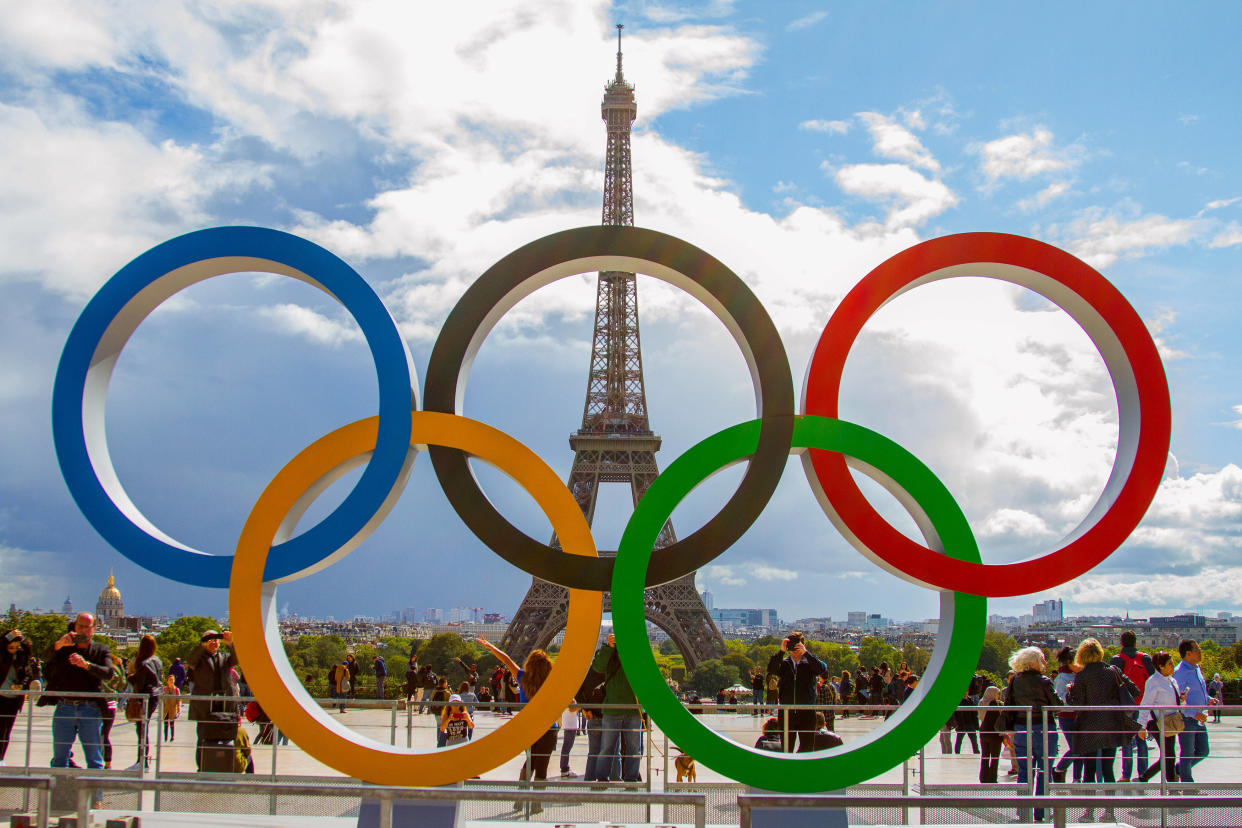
934 769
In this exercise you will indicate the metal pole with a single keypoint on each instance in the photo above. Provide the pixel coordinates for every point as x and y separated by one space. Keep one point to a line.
385 811
744 819
700 813
1048 723
45 805
409 724
664 808
647 746
1164 766
1030 753
84 806
29 728
905 790
392 736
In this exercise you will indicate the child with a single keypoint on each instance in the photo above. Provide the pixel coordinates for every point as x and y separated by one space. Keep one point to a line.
455 723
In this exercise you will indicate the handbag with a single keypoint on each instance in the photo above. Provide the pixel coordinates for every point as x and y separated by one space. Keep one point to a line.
1129 723
135 709
1173 723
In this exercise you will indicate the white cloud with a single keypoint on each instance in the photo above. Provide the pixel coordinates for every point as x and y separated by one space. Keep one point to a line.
832 127
1041 199
1023 156
1011 522
1229 237
113 189
892 140
913 198
806 22
1237 409
1101 239
1220 202
301 321
772 573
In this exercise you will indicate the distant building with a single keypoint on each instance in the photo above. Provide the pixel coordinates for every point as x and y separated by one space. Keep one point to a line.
433 615
709 600
109 609
1048 612
856 620
1185 620
744 617
67 609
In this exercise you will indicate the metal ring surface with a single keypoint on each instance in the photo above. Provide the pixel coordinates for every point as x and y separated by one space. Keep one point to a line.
79 395
627 250
963 616
1144 418
253 608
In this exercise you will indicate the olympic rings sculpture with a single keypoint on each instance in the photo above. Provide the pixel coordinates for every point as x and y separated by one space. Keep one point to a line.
268 554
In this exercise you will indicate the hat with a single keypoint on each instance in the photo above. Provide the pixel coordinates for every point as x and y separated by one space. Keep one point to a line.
209 636
454 698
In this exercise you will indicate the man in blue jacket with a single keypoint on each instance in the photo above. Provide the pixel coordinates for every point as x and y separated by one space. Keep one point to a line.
1193 741
797 671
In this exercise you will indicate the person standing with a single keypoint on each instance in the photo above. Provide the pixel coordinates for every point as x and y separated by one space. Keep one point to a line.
1099 732
351 663
966 723
1160 698
211 671
989 737
756 692
78 664
1138 668
14 675
177 671
1029 687
411 680
1194 739
144 677
339 684
846 691
827 699
1216 696
1066 670
381 675
622 723
569 733
797 670
172 707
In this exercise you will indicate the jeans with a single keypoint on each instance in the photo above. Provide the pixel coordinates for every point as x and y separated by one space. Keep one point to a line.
1067 727
1194 744
379 687
1041 746
83 722
595 736
1135 745
567 744
625 730
10 706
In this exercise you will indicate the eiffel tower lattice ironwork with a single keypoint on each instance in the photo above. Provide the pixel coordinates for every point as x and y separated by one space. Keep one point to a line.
615 443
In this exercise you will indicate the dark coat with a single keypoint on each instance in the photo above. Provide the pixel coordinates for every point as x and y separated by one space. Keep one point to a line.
1099 684
1032 689
796 681
212 676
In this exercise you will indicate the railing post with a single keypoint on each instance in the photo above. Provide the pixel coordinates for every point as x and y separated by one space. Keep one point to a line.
1048 724
409 724
1030 752
392 738
30 706
44 815
385 810
700 812
744 814
84 806
905 790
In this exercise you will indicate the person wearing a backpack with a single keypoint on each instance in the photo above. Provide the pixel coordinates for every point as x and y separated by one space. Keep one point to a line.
1138 668
381 675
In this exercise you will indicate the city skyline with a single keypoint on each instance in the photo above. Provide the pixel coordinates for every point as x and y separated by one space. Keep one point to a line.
800 146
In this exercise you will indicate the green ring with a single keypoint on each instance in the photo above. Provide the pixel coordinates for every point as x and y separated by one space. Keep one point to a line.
915 723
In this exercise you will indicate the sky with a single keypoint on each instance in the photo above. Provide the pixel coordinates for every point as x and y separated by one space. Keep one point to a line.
801 144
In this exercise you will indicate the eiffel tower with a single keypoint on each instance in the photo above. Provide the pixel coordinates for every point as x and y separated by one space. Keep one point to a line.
615 443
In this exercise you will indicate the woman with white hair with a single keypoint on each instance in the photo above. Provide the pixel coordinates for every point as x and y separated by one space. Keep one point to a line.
1031 688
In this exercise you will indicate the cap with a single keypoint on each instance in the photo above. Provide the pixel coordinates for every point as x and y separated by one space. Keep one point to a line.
210 635
454 698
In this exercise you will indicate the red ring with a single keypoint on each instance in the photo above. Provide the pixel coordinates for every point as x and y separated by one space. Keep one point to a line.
1147 401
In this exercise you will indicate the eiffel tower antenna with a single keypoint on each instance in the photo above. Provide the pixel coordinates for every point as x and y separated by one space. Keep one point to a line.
615 443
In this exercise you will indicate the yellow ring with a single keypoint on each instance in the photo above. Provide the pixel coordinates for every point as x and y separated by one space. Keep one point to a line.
252 608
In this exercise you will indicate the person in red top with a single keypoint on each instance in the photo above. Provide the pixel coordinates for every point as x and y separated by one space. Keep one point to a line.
1137 667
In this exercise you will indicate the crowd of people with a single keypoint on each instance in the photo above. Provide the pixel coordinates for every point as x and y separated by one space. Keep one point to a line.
1100 707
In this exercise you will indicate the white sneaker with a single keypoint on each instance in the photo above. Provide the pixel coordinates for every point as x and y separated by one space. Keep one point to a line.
135 766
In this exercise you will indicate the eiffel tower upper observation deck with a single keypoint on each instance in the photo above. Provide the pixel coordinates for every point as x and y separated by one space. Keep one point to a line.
615 443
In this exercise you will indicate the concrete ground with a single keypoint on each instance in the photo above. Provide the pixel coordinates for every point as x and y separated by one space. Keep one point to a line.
935 768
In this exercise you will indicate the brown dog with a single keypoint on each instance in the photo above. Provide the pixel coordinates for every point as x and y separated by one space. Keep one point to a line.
685 767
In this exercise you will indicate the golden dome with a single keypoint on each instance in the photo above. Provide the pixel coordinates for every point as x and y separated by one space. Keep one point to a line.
110 591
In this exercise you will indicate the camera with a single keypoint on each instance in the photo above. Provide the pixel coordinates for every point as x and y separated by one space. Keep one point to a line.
81 638
11 636
794 640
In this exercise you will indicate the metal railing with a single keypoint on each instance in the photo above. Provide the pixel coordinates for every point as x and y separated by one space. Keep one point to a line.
386 796
42 785
1058 805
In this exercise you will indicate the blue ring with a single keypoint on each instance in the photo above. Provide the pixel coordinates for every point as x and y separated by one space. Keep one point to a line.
385 471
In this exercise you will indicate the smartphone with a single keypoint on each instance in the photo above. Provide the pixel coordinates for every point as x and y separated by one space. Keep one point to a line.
81 638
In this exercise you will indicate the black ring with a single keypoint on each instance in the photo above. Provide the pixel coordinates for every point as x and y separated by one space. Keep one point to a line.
652 253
